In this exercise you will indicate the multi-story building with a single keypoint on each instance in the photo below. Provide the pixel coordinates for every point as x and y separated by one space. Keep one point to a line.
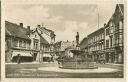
45 50
109 42
17 43
35 43
118 19
49 40
96 44
62 45
84 47
114 36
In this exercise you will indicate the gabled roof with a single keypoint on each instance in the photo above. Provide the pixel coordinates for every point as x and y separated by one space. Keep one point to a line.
46 29
15 30
121 8
43 41
118 14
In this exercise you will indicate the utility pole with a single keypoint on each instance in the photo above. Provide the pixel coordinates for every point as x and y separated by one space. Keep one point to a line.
98 16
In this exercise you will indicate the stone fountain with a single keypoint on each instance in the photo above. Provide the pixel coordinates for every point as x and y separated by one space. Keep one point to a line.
78 59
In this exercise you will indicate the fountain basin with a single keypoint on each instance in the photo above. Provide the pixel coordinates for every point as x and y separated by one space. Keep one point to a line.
78 65
99 70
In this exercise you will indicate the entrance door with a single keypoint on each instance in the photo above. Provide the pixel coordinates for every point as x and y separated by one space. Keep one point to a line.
107 57
34 57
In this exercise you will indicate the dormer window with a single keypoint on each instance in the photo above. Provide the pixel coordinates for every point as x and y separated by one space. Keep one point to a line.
111 24
41 32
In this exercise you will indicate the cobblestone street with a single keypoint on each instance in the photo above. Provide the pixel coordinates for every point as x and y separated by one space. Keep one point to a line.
40 70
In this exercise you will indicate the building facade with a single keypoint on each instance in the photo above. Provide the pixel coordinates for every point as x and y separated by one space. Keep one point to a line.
84 45
47 46
96 45
107 42
35 44
118 19
114 36
17 43
62 45
28 45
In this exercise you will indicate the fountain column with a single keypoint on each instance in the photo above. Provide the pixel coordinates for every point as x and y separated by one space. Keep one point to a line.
77 41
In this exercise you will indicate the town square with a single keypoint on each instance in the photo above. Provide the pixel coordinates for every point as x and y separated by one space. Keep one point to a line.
64 41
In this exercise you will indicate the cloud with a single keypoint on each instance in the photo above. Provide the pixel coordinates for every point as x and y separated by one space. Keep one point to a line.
64 20
55 23
89 11
68 33
29 16
105 12
71 28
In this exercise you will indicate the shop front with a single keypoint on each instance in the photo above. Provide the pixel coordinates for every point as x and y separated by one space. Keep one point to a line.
110 55
47 57
119 55
101 56
21 56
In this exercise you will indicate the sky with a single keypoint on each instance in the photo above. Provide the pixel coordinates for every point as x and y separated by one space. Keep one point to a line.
64 19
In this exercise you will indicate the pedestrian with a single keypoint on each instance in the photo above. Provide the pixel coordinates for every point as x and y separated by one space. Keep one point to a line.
18 59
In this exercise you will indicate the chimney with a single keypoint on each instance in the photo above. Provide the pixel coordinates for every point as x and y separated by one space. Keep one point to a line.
38 26
21 24
28 31
28 27
104 24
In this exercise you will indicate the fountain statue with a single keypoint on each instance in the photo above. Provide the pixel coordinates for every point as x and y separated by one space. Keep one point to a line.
78 60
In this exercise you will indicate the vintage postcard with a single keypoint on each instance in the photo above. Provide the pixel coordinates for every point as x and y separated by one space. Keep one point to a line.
48 39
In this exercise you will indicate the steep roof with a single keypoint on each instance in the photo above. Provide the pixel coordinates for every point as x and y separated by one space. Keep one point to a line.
15 30
43 41
118 14
98 31
121 8
84 43
43 28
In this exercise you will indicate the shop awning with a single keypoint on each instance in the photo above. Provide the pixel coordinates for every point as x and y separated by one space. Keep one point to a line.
46 55
21 54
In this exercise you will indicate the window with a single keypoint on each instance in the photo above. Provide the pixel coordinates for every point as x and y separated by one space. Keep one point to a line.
110 24
111 42
36 45
35 36
107 31
120 38
102 47
15 43
46 48
107 43
102 35
24 44
36 41
28 45
116 36
120 25
20 43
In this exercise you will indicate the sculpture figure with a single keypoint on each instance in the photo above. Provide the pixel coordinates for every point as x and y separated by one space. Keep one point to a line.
77 39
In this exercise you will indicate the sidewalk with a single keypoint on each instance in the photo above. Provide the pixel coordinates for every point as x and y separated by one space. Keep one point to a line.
33 63
115 64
